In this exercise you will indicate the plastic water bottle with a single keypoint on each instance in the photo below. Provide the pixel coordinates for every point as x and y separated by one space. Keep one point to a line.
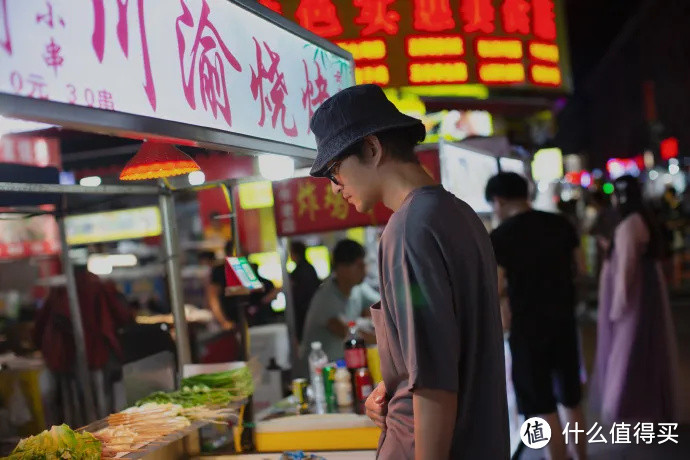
317 361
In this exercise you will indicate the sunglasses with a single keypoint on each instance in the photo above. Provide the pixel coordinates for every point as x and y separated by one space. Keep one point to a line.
332 171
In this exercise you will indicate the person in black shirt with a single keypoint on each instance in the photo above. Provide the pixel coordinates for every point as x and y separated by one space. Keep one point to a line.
225 309
305 282
538 260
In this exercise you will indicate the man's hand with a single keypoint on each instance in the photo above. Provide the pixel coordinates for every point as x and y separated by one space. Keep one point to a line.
377 406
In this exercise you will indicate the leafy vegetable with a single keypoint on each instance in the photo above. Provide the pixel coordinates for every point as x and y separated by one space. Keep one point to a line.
238 381
191 397
61 442
207 390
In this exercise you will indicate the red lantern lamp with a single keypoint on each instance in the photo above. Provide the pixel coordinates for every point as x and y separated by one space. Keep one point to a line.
157 159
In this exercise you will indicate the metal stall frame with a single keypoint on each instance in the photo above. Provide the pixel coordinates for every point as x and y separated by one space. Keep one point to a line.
165 195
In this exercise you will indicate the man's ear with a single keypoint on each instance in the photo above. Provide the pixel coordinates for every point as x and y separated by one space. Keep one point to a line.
375 151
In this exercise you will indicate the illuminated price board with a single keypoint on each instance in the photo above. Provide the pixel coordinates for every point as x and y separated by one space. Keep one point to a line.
398 43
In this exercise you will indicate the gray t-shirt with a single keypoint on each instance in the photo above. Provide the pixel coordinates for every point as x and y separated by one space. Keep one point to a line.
438 325
329 302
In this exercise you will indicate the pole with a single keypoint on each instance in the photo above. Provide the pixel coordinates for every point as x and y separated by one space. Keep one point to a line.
79 189
283 251
235 222
172 265
77 325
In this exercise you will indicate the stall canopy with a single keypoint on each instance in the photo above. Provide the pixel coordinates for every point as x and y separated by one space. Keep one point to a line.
208 73
223 75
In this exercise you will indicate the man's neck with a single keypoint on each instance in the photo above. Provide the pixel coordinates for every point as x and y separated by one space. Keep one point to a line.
401 179
518 207
344 288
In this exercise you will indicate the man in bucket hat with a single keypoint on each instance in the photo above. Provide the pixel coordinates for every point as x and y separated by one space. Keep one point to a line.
438 324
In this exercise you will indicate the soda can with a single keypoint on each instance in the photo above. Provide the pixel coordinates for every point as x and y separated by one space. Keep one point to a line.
299 391
364 384
328 374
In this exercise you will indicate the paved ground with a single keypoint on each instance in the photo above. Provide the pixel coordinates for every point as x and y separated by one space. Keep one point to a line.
681 313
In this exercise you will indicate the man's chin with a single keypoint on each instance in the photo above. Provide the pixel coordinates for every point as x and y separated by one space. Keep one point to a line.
362 208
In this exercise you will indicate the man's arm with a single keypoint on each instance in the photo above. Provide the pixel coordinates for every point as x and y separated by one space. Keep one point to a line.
212 295
337 327
434 423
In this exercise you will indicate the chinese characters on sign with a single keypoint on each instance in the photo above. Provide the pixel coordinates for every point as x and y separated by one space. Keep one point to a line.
275 100
211 64
316 91
308 205
374 30
99 42
198 62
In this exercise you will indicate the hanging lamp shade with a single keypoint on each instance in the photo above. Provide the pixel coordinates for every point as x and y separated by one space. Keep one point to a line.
157 159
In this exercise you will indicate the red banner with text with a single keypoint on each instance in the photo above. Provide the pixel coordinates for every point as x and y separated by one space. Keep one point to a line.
308 205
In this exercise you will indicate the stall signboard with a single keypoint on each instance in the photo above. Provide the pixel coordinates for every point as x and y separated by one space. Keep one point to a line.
207 63
25 236
113 225
30 150
398 43
307 205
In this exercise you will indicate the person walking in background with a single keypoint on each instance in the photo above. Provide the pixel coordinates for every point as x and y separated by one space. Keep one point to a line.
538 260
340 299
635 376
603 226
304 282
438 325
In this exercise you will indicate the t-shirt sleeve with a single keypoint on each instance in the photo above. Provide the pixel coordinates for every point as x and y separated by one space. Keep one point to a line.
218 275
419 295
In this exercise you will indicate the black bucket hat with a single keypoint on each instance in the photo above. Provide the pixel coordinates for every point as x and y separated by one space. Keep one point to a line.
352 114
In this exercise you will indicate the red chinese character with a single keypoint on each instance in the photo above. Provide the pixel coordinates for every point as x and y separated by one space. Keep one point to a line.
309 100
98 39
5 42
48 17
272 4
515 16
16 81
52 56
433 15
37 87
320 17
375 16
214 55
544 19
478 15
105 100
276 102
